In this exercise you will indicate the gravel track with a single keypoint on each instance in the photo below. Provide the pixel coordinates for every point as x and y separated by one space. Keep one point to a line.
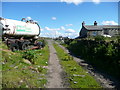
55 72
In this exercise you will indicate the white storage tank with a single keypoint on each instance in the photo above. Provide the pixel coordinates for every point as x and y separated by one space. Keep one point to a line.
16 28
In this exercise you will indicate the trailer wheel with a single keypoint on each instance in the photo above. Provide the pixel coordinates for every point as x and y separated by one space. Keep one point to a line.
14 47
24 45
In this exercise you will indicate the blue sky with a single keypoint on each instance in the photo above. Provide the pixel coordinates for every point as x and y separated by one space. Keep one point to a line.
61 18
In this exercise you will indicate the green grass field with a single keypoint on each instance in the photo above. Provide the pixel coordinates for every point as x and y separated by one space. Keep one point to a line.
24 69
77 76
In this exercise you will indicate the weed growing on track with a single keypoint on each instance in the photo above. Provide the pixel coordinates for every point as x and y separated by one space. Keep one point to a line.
24 69
78 77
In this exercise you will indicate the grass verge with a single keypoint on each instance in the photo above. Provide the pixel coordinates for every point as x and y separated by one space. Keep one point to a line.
24 69
78 77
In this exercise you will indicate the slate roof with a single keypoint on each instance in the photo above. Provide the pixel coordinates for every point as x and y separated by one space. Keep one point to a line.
100 27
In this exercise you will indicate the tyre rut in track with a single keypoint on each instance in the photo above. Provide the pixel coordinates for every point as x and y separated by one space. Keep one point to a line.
55 72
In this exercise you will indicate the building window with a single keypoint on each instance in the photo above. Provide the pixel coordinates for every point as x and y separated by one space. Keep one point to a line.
94 33
106 31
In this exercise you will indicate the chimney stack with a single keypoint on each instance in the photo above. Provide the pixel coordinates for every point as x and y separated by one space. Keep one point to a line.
83 23
95 23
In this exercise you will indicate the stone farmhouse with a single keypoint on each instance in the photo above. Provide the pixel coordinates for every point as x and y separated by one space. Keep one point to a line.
95 30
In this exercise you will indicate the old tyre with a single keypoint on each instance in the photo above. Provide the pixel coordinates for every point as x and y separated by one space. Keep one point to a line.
24 45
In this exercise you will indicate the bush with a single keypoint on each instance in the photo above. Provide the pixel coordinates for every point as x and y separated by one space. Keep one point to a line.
102 54
99 38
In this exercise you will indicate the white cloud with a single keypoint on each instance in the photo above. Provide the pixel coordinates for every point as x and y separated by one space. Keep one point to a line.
45 35
69 25
54 18
29 18
47 28
96 1
41 29
55 29
56 32
52 34
62 28
35 21
52 0
76 2
109 23
69 31
73 35
52 29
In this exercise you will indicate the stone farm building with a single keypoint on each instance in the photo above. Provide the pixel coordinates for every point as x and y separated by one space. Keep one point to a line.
94 30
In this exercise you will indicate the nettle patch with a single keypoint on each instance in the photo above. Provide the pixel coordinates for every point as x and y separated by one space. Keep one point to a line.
30 55
67 58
